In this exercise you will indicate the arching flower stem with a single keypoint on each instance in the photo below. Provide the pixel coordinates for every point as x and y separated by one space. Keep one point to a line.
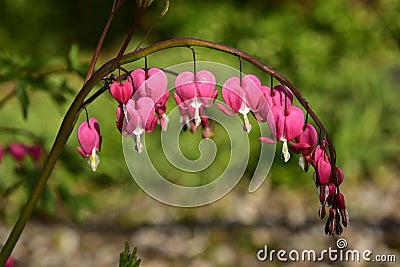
79 102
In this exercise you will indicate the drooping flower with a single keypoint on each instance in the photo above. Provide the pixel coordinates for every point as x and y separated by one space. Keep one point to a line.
243 96
195 91
338 216
18 151
139 119
122 92
36 152
154 86
306 142
285 125
341 206
90 140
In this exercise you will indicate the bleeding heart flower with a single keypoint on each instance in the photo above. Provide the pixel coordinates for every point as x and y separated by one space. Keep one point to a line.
18 151
195 91
139 118
306 141
90 141
121 92
154 86
243 96
285 126
35 152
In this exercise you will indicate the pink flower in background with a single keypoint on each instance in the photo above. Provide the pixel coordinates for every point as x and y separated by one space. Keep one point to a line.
121 92
10 262
1 153
154 86
18 151
139 119
243 96
90 141
35 152
195 91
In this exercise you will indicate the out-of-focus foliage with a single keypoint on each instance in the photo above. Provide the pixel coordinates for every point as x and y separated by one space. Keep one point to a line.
343 56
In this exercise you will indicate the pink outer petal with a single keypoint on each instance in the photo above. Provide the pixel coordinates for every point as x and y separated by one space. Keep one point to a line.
83 153
323 170
340 175
121 92
145 107
294 122
308 136
233 94
225 110
252 87
87 137
300 145
205 84
266 140
185 86
138 77
120 118
157 82
276 121
133 118
94 124
155 85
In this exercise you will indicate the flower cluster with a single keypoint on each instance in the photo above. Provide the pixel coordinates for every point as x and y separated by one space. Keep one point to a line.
19 152
142 103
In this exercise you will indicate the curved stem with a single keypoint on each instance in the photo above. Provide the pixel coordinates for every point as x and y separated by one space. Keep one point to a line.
76 107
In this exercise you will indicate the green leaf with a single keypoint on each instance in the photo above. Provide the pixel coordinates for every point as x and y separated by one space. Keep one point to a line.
23 99
127 259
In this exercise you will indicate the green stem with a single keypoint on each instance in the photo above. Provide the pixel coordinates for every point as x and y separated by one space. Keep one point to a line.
70 118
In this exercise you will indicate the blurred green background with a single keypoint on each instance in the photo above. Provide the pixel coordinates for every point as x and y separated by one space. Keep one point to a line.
344 56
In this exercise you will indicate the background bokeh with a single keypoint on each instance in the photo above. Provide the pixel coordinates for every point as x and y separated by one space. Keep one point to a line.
344 56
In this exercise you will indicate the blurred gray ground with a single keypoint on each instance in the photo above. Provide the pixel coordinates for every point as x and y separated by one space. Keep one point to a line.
228 232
